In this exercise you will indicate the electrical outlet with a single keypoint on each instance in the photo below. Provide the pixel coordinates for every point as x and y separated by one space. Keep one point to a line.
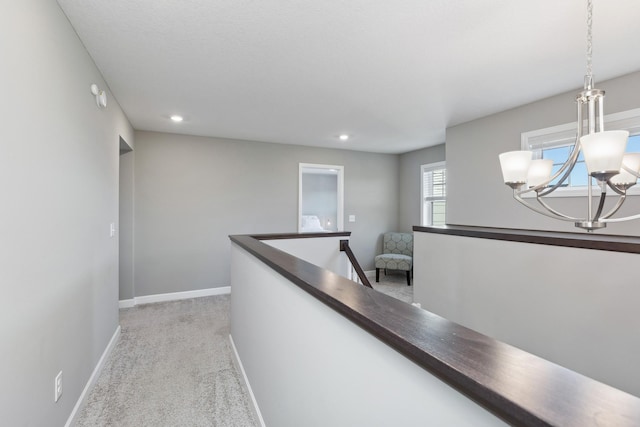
58 387
352 218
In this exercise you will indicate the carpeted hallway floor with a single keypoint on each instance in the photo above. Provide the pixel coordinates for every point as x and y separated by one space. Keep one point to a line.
394 284
173 366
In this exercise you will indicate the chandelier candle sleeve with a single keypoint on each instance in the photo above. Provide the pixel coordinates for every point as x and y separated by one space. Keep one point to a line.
539 172
624 178
603 152
515 166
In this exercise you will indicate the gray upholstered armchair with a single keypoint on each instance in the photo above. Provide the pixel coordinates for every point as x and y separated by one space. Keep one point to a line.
397 254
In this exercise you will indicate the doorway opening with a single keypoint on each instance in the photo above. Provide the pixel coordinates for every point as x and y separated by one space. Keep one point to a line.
125 223
321 198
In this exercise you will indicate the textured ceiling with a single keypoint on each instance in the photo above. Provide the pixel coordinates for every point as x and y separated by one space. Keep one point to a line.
392 74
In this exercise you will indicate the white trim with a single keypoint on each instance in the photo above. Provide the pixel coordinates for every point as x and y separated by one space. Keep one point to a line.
127 303
340 195
426 168
238 364
553 135
534 139
82 400
174 296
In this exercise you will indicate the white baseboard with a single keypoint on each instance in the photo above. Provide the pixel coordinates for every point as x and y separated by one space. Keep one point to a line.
238 363
82 400
127 303
174 296
369 272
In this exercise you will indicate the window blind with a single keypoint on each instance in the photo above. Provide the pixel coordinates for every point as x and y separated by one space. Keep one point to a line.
435 184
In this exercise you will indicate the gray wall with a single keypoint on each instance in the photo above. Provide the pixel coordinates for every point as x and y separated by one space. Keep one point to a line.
409 207
59 192
584 321
192 192
476 194
321 251
336 375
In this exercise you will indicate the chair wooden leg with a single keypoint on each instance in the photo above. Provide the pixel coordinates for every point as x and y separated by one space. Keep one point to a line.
377 274
408 278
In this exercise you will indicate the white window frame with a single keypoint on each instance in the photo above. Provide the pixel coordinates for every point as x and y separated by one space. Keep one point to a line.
561 135
428 168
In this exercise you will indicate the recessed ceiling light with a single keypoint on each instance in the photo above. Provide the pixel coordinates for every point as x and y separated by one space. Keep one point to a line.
343 137
177 119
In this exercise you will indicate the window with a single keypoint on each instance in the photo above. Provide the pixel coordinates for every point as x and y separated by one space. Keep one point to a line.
557 142
434 194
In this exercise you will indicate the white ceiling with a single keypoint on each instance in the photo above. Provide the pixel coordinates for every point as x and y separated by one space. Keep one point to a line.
392 74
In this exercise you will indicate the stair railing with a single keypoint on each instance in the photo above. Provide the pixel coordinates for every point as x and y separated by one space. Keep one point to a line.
344 247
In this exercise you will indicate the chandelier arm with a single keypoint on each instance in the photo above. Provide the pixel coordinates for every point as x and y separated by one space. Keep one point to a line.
567 167
626 218
615 209
616 189
603 196
555 212
551 214
570 163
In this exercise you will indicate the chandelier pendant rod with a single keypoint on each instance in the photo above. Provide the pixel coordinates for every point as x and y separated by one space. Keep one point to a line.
590 199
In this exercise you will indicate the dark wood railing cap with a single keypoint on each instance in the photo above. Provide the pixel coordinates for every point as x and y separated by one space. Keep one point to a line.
603 242
283 236
521 388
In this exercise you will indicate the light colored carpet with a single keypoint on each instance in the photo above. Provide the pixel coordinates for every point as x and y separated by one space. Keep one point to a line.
171 367
393 284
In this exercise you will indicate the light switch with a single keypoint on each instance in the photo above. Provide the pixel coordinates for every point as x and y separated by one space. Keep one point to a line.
352 218
112 229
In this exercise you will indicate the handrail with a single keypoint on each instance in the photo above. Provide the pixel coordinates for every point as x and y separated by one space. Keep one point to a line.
344 247
602 242
310 235
502 378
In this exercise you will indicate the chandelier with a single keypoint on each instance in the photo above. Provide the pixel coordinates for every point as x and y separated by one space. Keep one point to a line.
604 155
